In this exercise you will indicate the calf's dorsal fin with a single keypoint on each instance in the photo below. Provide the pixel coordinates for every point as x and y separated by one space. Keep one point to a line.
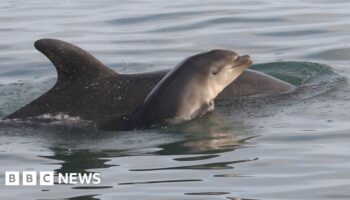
72 63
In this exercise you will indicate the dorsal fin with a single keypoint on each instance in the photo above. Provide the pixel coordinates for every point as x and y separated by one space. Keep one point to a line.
72 63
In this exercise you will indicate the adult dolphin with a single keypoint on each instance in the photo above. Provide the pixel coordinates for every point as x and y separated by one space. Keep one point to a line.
90 90
186 92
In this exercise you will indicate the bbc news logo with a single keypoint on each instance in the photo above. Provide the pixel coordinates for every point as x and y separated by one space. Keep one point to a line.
47 178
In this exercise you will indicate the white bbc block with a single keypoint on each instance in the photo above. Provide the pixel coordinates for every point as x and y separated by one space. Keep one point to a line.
12 178
46 178
29 177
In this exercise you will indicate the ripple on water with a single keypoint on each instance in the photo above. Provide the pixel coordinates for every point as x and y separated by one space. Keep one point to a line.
332 54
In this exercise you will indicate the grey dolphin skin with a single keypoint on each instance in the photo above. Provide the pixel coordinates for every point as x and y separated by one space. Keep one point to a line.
186 92
90 90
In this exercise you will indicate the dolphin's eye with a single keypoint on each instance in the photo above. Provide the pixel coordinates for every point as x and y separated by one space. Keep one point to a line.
215 71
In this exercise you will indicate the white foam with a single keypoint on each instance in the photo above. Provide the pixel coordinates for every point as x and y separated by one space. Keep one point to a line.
59 117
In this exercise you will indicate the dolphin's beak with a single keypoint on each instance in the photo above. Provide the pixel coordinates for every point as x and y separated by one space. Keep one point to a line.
242 61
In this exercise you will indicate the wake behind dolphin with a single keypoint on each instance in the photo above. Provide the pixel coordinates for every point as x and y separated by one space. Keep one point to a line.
88 89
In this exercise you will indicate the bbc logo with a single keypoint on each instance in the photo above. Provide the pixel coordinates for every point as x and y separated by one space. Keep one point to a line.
47 178
30 178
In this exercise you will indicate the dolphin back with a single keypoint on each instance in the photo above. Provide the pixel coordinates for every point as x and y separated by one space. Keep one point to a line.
72 63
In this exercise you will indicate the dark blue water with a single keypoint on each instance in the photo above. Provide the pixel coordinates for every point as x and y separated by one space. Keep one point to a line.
291 146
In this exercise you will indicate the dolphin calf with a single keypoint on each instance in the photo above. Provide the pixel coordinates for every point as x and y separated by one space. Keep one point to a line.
186 92
88 89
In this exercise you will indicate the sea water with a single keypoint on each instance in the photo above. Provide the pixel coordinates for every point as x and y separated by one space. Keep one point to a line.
289 146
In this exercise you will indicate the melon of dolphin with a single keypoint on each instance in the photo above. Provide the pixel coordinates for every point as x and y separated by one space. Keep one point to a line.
88 89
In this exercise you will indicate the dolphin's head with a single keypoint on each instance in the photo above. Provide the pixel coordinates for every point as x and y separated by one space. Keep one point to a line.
214 70
188 90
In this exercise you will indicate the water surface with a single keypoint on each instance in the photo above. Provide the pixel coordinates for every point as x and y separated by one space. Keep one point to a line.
292 146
